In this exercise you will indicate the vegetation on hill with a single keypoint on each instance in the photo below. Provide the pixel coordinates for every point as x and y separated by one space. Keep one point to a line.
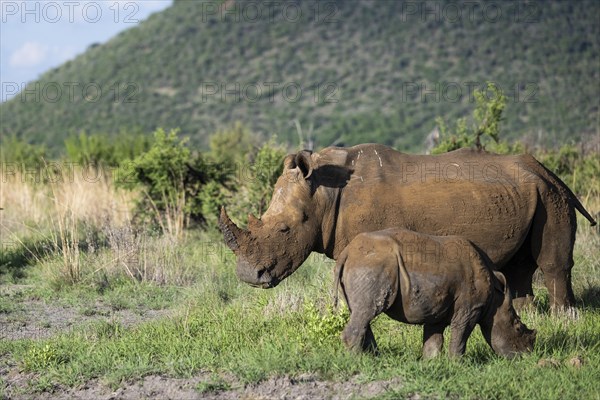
358 71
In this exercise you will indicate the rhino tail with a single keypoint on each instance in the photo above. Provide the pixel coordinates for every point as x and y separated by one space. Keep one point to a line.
555 180
337 276
403 277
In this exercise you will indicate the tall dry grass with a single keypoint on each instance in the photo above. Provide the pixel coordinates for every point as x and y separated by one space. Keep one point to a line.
85 219
40 201
56 205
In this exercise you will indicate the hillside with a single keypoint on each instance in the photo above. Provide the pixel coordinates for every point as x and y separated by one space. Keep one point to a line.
364 59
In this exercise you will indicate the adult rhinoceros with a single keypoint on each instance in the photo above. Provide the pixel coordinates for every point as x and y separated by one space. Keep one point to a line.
511 207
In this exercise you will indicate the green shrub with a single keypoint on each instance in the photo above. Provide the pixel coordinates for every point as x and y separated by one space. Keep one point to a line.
580 171
19 151
486 122
232 145
170 178
104 150
265 170
253 182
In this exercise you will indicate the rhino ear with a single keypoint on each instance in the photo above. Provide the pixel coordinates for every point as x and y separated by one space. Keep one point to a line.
289 161
304 161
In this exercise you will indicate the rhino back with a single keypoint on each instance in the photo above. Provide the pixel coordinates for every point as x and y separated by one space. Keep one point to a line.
473 194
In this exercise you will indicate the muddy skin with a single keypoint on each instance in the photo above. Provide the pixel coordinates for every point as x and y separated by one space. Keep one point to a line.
432 281
511 207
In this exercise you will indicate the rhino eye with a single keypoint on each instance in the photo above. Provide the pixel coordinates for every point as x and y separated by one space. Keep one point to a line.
283 227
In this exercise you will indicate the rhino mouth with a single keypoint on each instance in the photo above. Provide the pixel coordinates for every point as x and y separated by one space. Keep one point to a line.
266 285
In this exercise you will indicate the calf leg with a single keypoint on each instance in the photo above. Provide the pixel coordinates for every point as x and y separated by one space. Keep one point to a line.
433 340
367 294
358 335
461 327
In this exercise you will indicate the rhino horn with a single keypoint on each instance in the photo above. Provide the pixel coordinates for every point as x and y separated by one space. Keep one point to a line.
232 234
254 222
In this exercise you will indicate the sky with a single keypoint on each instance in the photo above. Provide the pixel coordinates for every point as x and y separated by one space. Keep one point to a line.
37 35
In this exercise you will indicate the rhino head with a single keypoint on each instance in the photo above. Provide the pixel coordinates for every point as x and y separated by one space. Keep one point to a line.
502 328
275 245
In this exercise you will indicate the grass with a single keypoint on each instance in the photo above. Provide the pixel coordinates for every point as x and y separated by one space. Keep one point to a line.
221 326
225 326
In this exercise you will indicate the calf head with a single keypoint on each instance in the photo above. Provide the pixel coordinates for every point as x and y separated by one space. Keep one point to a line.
502 327
275 245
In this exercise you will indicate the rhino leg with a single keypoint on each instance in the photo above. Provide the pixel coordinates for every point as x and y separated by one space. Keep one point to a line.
519 275
461 327
433 340
552 248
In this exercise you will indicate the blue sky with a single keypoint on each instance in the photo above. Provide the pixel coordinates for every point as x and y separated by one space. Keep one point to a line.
37 35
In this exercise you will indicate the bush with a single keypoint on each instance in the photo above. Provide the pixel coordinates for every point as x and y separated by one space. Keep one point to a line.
170 178
580 171
18 151
102 150
486 122
254 182
266 169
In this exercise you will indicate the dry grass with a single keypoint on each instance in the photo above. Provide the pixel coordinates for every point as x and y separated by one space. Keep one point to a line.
32 204
54 205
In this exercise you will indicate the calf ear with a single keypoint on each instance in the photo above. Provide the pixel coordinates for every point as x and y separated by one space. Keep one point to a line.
500 281
304 161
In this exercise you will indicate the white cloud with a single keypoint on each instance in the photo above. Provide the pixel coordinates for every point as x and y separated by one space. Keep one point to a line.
28 55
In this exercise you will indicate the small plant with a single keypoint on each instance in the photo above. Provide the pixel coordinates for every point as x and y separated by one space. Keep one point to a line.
215 384
41 357
327 325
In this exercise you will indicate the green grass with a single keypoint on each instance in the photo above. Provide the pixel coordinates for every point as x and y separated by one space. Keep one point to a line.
223 326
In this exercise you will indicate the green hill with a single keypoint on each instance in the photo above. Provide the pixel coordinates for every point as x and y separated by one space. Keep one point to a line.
377 71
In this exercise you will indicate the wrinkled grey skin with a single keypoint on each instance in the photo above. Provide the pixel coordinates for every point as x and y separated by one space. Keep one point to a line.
515 210
430 280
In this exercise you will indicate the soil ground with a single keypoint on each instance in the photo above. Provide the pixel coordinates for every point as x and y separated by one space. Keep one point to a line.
37 319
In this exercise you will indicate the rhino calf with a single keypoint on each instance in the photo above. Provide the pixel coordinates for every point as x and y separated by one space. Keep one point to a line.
431 280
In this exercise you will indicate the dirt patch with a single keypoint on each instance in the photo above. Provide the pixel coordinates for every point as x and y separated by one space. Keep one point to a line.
206 386
40 320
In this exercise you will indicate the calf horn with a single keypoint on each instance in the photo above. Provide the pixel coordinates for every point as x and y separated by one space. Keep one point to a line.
231 233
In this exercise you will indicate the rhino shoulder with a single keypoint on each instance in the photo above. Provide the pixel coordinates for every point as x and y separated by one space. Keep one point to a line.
332 156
